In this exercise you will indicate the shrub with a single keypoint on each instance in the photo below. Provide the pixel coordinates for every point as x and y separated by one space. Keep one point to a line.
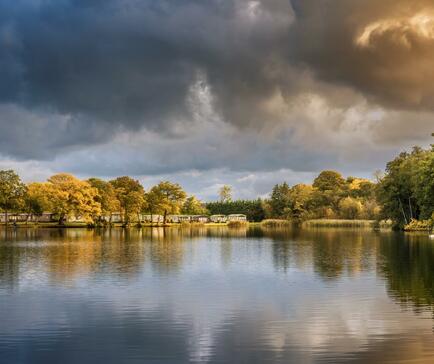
237 224
419 225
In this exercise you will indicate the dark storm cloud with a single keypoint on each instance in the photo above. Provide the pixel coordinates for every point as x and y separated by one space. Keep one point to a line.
154 87
95 58
131 63
383 48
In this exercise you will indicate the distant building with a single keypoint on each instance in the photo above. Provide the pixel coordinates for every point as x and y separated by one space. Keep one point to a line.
199 218
237 217
218 219
117 217
154 219
44 217
177 219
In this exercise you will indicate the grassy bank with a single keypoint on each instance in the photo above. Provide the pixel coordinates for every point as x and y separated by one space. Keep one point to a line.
237 224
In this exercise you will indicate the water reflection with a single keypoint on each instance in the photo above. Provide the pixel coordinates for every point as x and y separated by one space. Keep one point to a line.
215 295
408 265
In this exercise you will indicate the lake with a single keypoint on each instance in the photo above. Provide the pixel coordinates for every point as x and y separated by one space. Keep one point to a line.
215 295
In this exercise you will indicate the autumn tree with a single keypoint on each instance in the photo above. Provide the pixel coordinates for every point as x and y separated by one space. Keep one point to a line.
71 197
106 196
225 193
192 206
169 197
131 196
152 199
300 200
36 200
350 208
12 192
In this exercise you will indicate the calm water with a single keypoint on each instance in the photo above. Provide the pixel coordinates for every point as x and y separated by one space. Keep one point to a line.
215 296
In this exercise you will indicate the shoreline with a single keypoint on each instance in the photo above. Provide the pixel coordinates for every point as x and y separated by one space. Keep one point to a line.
55 225
309 224
267 223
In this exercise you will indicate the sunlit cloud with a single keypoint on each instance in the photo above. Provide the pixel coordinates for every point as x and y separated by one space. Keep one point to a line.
401 30
239 89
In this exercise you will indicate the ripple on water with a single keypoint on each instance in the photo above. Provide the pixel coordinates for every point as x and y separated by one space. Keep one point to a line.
215 295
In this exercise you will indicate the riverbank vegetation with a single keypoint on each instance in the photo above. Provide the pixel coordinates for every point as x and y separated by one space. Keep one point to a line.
404 194
275 223
91 200
331 196
338 223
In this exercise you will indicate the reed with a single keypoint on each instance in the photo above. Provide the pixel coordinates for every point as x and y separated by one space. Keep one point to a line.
270 223
192 223
339 223
237 224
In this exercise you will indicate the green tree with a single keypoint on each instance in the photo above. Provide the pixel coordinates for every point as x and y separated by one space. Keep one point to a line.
399 191
423 184
280 201
331 187
169 197
253 209
329 181
12 192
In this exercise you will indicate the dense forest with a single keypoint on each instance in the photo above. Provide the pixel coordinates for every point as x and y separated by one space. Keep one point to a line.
404 193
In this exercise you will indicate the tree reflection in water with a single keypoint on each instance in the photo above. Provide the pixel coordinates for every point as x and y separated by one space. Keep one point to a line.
406 261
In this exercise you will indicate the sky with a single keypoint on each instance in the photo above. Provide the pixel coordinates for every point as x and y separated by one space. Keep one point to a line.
211 92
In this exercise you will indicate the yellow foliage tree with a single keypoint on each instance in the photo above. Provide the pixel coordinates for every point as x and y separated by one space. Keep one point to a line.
71 197
350 208
131 196
169 197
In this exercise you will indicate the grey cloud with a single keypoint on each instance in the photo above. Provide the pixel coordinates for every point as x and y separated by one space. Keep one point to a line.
161 87
40 134
130 64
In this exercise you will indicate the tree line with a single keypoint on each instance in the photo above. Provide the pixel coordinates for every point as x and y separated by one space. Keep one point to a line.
404 193
331 196
93 199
